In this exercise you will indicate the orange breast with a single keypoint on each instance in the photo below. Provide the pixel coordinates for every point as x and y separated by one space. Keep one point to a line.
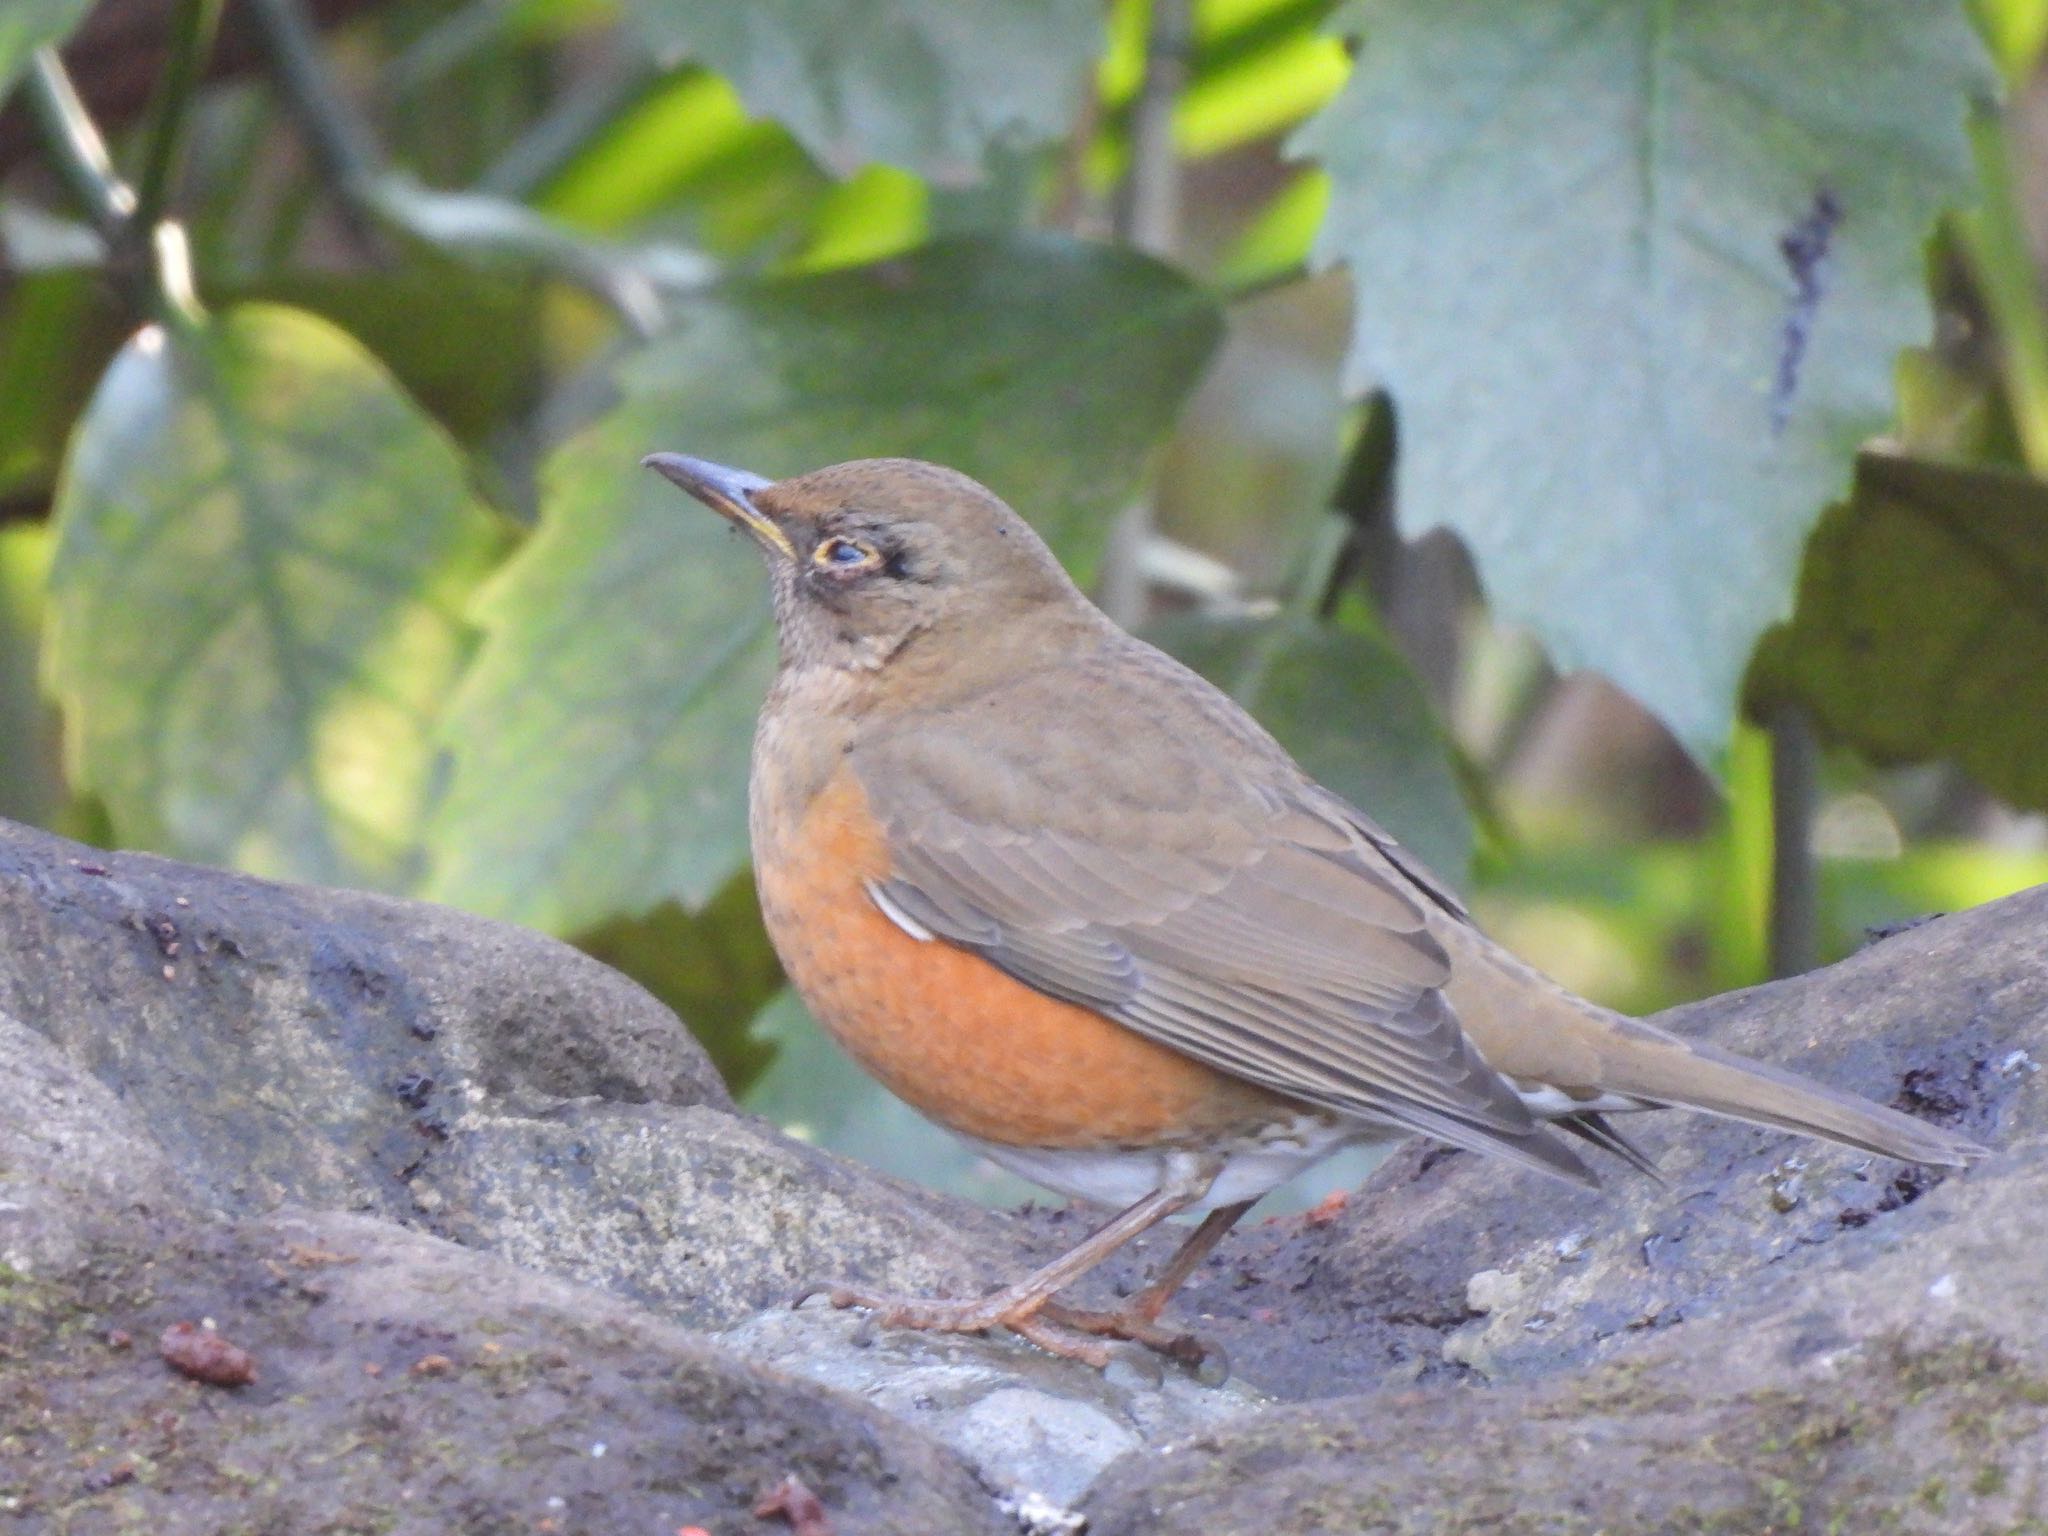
949 1033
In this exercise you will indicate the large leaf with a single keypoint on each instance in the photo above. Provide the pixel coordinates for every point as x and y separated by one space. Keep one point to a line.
26 25
1348 707
467 345
263 552
1637 273
929 85
601 741
1922 626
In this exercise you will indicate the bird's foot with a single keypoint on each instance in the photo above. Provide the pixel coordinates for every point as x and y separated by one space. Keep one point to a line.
1073 1333
1140 1325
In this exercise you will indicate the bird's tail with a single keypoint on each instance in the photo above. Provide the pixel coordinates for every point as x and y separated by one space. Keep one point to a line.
1542 1037
1643 1062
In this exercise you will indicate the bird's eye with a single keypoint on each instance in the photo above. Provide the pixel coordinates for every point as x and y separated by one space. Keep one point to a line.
843 554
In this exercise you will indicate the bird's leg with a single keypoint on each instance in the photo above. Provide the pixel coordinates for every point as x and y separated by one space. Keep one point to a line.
1138 1318
1022 1307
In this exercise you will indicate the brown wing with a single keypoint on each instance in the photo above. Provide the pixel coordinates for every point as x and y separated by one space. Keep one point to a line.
1119 835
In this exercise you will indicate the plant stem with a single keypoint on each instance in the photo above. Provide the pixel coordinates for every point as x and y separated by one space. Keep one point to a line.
1148 212
1795 791
76 148
342 149
192 33
148 261
550 143
1148 219
1364 498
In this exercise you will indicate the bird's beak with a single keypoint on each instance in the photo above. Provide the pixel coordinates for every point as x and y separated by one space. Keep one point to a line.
728 492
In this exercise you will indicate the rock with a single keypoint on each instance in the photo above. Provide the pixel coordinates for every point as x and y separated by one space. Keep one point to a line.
1907 1391
343 1051
400 1384
1699 1356
1033 1427
290 1043
406 1385
67 1153
710 1216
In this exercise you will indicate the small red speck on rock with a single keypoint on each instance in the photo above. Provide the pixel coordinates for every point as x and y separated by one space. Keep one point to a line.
1327 1209
433 1365
691 1530
204 1355
119 1338
803 1509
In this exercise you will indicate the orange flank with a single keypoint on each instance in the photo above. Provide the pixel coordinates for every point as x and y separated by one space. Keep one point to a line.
920 1014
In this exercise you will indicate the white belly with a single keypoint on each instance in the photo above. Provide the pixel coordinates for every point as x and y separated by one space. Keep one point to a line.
1117 1177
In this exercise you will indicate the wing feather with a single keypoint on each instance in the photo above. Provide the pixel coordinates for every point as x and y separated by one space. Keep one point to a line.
1263 927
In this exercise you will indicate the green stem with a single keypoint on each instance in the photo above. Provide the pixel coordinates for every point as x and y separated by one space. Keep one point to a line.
342 149
539 153
1148 219
75 146
1794 938
1364 498
192 33
149 261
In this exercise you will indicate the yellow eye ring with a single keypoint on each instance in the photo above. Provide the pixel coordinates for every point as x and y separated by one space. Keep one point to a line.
839 553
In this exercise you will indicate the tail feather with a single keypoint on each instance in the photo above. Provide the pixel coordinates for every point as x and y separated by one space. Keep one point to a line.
1646 1063
1598 1130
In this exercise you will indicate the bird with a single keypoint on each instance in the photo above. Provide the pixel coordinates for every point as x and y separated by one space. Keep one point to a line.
1071 902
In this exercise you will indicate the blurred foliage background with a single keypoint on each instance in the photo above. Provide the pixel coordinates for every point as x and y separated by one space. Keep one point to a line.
1602 438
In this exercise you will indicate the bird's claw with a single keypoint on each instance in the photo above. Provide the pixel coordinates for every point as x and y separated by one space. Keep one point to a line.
1073 1333
1139 1328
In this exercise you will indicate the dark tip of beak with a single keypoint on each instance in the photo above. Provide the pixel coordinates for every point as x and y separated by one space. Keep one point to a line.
726 491
704 479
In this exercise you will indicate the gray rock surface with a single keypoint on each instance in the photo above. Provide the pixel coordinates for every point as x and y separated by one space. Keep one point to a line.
479 1207
403 1385
1030 1425
708 1215
68 1158
284 1042
336 1050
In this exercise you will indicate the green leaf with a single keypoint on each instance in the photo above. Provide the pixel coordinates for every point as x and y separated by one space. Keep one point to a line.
31 788
1346 705
601 740
467 345
57 334
1922 624
1637 274
715 968
929 85
263 550
26 25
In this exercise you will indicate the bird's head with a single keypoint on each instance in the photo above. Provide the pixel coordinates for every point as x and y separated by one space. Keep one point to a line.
868 556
